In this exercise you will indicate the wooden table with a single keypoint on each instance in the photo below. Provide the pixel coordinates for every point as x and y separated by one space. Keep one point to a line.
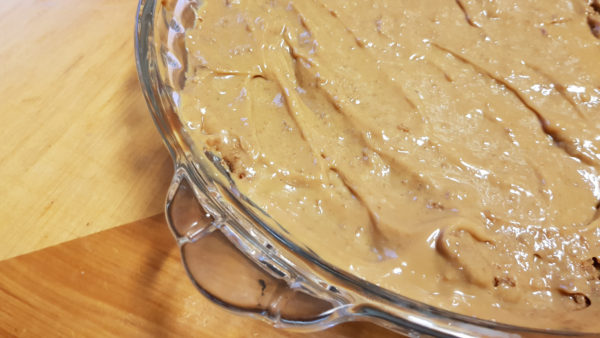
125 282
79 154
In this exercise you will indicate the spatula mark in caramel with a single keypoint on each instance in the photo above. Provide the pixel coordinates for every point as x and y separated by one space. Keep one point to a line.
593 18
582 301
559 140
506 281
594 26
595 5
467 16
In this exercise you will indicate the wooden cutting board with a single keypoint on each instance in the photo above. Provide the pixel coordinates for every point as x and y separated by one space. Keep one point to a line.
125 282
79 151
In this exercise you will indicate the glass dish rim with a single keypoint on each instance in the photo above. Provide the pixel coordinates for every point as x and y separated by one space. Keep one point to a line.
160 104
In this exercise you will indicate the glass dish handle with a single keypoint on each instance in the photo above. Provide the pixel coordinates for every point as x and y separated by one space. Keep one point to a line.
227 277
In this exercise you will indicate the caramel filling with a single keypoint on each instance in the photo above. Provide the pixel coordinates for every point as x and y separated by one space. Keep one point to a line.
446 150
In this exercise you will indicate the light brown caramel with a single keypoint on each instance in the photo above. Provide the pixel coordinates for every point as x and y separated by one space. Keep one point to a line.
446 150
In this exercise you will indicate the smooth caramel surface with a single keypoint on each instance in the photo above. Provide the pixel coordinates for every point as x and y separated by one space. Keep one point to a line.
446 150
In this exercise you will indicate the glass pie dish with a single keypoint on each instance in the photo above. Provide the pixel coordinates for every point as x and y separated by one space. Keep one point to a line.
233 252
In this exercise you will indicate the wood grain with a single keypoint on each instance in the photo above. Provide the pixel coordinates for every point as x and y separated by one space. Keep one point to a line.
79 152
126 282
